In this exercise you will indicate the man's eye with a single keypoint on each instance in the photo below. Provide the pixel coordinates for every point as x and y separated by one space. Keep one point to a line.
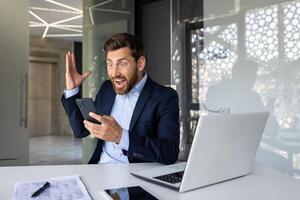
123 64
108 65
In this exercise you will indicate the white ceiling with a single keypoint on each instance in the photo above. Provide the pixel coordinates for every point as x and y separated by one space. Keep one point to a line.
56 18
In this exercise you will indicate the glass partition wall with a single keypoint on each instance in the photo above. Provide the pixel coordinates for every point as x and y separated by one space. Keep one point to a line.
101 19
242 59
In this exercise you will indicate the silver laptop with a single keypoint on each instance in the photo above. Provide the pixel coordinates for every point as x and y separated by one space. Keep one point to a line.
223 148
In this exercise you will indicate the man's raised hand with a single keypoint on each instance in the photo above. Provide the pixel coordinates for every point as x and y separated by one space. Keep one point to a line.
73 78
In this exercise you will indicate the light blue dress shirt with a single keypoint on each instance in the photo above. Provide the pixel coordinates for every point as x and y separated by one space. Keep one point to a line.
122 111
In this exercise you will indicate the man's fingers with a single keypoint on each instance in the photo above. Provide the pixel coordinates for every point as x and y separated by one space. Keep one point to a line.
94 129
107 118
91 126
97 117
71 66
72 58
67 63
72 62
101 118
85 75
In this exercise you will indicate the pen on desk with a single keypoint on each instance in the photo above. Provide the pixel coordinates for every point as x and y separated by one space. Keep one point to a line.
40 190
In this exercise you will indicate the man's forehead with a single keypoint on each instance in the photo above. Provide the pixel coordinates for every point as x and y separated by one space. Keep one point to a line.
122 51
119 54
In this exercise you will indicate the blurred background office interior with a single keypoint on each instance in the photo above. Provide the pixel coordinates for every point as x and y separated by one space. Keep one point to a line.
222 57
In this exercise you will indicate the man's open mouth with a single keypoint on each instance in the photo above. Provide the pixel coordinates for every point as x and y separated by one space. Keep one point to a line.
120 83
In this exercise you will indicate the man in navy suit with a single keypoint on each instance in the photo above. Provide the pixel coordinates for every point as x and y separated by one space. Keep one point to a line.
139 117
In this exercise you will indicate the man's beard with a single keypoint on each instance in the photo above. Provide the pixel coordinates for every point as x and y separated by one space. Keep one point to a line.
128 83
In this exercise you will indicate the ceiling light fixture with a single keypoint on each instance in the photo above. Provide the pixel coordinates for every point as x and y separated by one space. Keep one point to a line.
55 10
37 24
66 20
57 24
45 32
64 35
63 5
66 28
96 8
37 17
101 4
113 11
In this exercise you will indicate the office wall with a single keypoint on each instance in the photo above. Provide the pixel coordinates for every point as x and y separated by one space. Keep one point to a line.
14 52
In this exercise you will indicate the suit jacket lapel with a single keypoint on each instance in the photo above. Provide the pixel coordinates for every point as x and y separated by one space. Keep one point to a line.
145 94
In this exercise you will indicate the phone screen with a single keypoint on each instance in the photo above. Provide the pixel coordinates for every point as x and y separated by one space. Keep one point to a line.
130 193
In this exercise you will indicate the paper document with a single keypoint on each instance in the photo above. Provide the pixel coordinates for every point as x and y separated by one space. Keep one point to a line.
61 188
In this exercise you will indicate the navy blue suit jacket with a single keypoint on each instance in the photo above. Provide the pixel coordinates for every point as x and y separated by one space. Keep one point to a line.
154 126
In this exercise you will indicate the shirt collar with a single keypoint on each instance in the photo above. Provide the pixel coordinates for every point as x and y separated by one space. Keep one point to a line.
140 85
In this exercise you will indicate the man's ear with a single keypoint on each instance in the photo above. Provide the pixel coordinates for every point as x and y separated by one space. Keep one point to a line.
141 63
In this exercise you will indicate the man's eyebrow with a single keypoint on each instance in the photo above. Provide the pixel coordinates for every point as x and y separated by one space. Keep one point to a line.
121 59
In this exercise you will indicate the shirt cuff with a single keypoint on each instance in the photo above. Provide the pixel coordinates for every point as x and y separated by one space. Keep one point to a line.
124 141
70 93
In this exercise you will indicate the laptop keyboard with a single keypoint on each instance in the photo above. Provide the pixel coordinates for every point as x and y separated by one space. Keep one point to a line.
171 178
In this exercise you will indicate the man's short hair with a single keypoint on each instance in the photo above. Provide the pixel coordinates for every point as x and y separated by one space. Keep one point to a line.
122 40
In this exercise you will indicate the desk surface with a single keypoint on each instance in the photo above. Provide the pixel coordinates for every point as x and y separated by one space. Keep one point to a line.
263 183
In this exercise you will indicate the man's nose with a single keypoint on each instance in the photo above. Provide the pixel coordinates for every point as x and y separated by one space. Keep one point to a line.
115 71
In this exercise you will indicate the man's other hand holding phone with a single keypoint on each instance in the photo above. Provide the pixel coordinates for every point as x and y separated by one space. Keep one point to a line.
108 130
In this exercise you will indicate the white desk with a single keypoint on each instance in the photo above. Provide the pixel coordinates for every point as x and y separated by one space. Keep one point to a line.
263 183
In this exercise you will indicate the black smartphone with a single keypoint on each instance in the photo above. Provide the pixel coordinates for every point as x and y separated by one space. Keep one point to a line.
86 105
129 193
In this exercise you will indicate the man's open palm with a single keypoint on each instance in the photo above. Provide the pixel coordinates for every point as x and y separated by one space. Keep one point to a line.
73 78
